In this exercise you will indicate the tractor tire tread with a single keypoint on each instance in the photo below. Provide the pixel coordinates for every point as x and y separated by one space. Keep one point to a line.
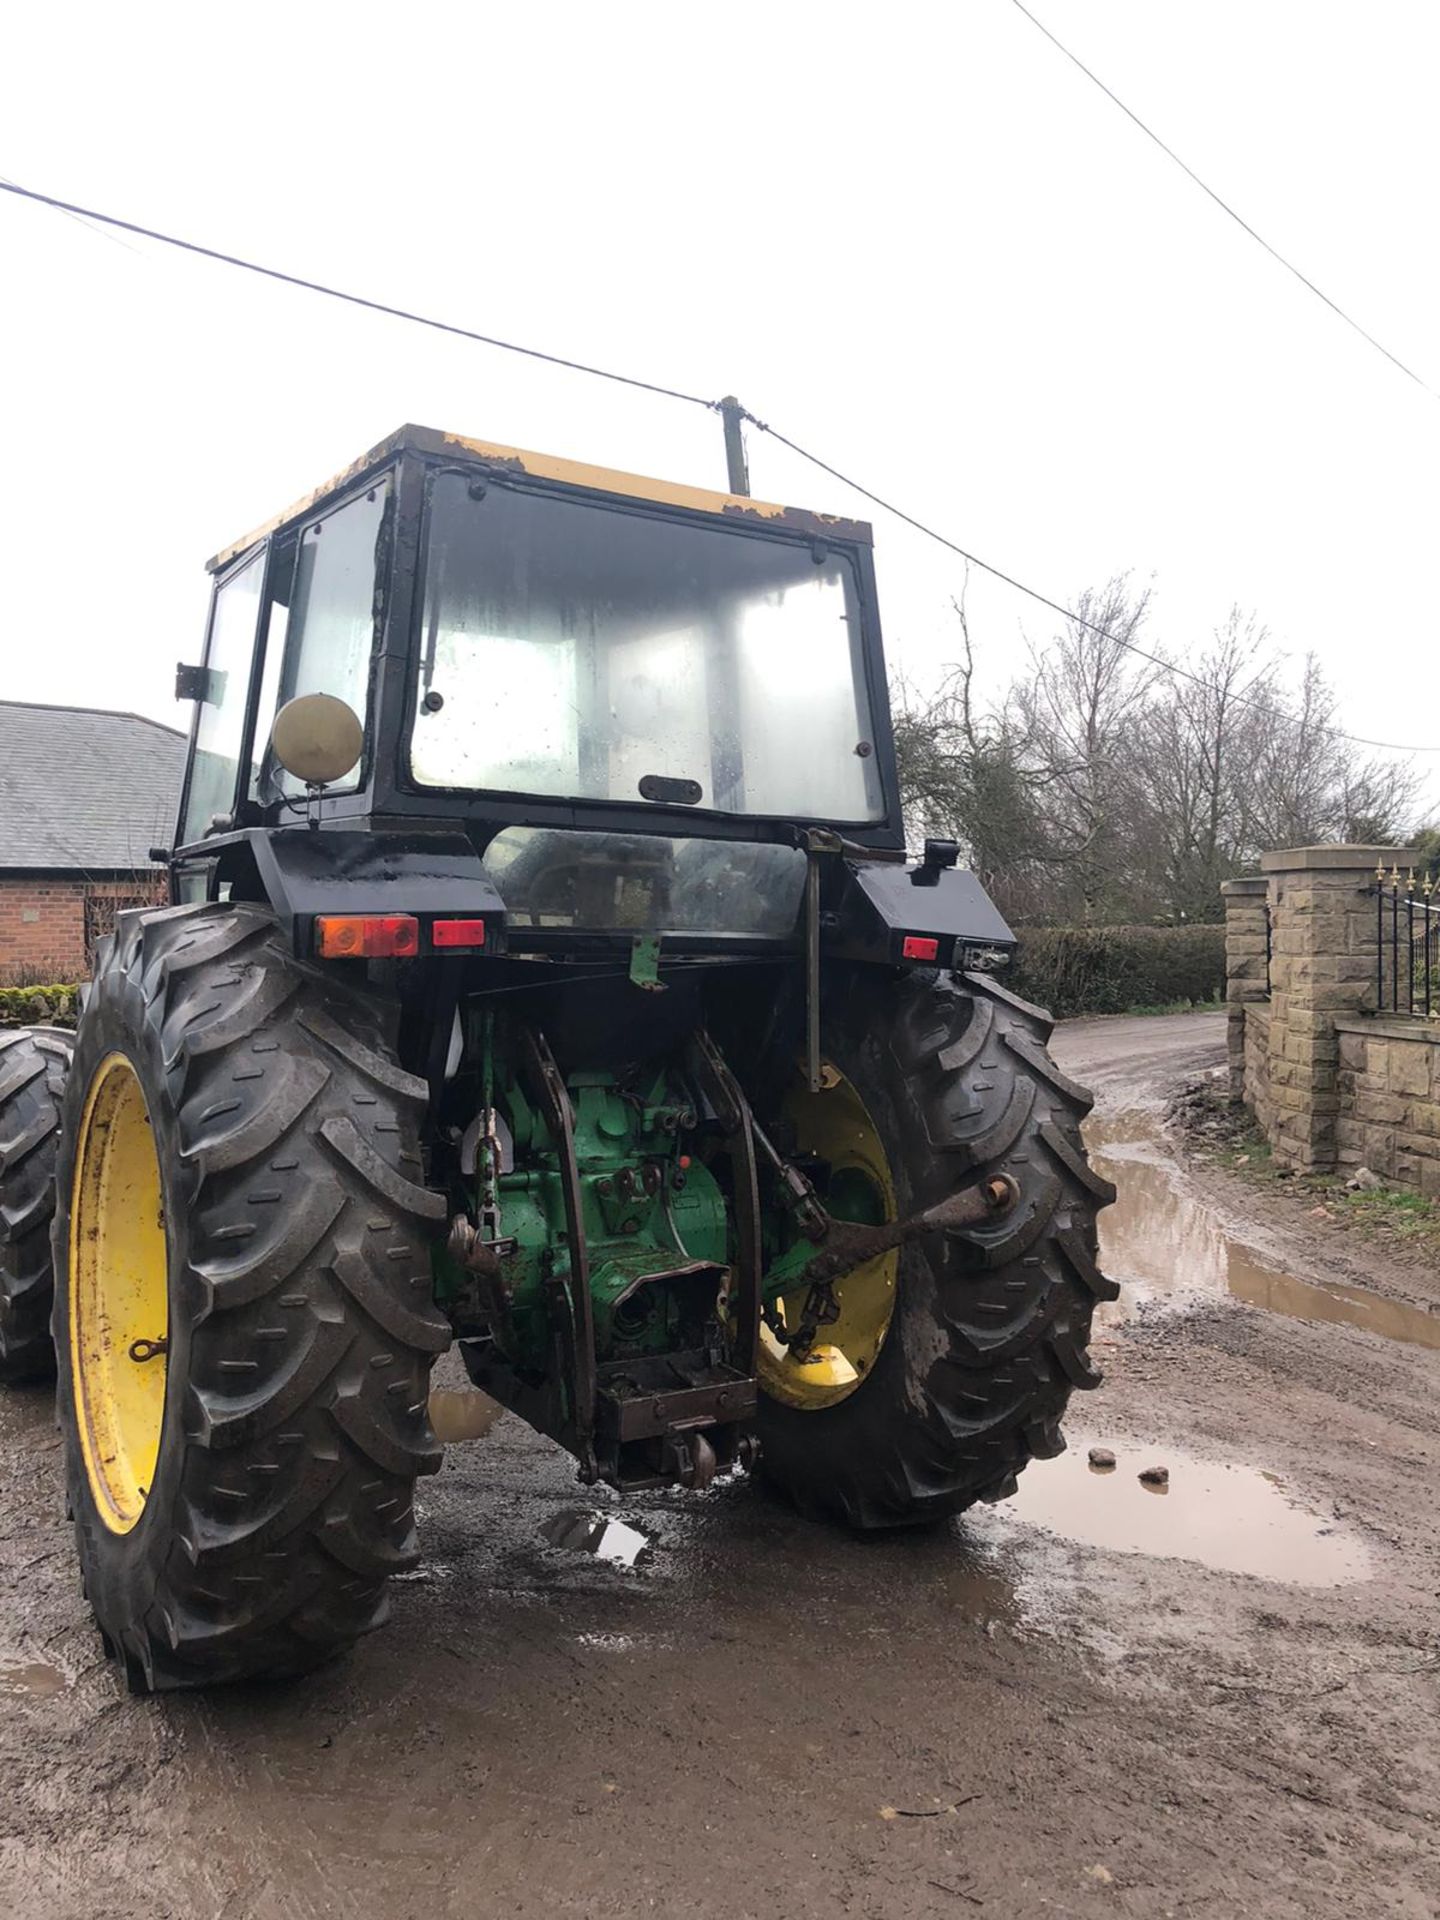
994 1338
305 1282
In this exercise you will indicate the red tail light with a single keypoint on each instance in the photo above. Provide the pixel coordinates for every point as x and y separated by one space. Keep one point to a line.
361 936
458 933
917 947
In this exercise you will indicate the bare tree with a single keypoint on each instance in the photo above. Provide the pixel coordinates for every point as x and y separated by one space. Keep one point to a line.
1311 785
1083 708
1195 761
1102 787
965 774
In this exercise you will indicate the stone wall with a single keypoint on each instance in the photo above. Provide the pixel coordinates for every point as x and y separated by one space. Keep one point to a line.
1389 1087
1331 1084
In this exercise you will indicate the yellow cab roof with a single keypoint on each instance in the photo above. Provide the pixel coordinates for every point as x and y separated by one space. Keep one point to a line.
549 467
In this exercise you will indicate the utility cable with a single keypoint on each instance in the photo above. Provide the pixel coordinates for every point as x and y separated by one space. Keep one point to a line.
353 299
672 393
1225 207
113 238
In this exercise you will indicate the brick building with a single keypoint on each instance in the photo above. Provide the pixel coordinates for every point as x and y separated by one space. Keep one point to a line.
84 795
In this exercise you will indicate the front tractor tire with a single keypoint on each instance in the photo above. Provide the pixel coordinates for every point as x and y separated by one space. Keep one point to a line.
986 1330
244 1321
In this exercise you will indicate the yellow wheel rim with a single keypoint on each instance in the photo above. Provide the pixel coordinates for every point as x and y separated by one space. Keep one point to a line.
119 1296
835 1125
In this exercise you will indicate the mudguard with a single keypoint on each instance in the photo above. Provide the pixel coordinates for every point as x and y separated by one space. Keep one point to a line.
304 873
879 905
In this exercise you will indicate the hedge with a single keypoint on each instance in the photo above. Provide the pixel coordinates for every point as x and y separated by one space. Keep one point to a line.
38 1006
1074 970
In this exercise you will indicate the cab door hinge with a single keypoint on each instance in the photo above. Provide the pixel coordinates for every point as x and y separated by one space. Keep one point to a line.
194 683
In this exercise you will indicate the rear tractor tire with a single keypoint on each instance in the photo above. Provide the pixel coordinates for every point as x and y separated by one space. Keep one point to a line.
33 1066
244 1318
957 1376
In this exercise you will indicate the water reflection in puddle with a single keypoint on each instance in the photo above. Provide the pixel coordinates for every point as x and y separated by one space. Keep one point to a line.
34 1682
597 1533
1235 1519
466 1415
1158 1238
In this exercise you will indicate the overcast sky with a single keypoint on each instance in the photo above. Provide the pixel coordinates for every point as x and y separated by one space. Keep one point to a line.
912 237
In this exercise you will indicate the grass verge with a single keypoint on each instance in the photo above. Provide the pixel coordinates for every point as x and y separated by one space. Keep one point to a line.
1227 1137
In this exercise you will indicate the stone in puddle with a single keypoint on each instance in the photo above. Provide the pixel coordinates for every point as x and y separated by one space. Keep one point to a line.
1155 1476
1102 1459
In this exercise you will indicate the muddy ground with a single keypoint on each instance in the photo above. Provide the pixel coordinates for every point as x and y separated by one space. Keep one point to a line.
1046 1709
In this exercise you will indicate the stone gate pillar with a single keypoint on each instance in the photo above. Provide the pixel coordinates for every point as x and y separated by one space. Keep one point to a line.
1322 965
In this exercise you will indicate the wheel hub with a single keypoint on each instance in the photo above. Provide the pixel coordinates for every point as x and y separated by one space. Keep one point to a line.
835 1126
119 1295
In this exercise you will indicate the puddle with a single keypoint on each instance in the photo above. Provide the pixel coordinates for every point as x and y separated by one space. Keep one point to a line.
1234 1519
462 1416
34 1682
1350 1306
597 1533
1159 1239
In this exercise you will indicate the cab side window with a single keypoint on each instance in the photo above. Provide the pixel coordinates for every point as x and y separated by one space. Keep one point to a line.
220 727
323 639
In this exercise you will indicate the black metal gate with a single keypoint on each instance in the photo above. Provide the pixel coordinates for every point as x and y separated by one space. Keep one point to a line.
1407 943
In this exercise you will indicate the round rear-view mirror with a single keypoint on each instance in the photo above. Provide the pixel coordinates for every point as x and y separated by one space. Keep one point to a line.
317 738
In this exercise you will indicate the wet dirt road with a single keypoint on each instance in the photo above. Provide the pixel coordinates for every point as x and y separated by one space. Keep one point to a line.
1099 1698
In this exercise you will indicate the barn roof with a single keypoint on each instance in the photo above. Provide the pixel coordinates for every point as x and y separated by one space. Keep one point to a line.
84 790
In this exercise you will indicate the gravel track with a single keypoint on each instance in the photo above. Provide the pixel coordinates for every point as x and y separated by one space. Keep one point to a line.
765 1717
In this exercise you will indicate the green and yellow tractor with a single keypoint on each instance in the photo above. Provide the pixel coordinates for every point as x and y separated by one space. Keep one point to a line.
543 972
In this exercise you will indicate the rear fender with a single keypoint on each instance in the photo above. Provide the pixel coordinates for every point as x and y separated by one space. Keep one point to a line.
871 908
301 873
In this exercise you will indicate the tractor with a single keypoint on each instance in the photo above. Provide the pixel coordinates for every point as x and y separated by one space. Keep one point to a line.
543 972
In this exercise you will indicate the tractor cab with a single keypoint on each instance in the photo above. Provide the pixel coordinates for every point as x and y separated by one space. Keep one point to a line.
632 707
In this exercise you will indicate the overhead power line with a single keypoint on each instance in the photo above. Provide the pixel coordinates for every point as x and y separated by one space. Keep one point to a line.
1225 207
672 393
111 239
353 299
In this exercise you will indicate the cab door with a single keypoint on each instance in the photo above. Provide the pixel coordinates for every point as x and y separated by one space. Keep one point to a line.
218 734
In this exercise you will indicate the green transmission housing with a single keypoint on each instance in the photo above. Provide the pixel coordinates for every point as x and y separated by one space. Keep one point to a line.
655 1221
